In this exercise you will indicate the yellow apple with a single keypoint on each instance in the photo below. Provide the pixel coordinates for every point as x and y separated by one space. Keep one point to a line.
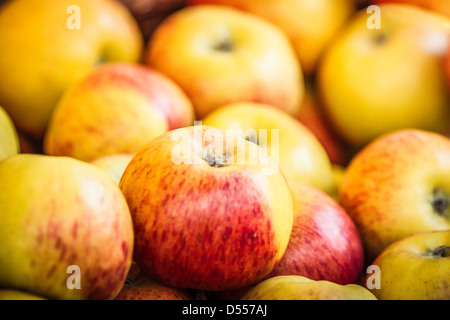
294 287
416 267
6 294
56 44
9 138
220 55
310 25
211 211
114 164
439 6
301 157
64 223
117 108
398 185
373 81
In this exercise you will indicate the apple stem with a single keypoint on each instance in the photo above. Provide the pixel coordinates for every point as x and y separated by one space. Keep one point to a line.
441 252
225 46
440 202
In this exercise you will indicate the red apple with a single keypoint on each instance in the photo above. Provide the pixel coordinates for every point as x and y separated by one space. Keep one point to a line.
207 221
325 243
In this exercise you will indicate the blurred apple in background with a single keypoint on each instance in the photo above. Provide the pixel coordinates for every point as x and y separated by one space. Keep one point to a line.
301 288
416 267
59 212
118 108
46 52
219 55
9 138
310 25
139 286
202 218
150 13
301 157
374 81
114 164
398 185
439 6
325 243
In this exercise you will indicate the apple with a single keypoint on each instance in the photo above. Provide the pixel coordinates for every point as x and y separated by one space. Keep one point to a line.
211 210
439 6
374 81
293 287
301 156
55 44
114 164
220 55
325 243
416 267
139 286
6 294
310 25
447 67
9 138
117 108
59 217
398 185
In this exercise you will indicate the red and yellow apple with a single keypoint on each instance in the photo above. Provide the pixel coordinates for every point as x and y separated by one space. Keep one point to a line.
301 157
373 81
117 108
439 6
398 185
219 55
211 210
310 25
416 267
325 243
58 43
9 138
56 213
294 287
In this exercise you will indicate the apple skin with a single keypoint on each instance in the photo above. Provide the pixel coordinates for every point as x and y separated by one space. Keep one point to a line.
301 156
17 295
413 269
360 101
114 165
447 67
439 6
325 243
219 55
74 220
293 287
310 25
9 138
117 108
396 186
41 56
204 227
140 286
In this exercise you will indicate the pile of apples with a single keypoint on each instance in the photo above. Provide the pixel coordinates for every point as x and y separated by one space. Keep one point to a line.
115 182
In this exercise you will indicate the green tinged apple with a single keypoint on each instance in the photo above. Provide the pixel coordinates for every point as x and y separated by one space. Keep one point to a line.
65 229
